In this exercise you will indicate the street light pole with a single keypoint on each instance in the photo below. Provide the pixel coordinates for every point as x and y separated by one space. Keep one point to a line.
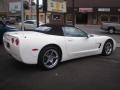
37 12
45 8
22 14
73 7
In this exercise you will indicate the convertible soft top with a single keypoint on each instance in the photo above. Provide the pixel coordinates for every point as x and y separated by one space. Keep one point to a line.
52 29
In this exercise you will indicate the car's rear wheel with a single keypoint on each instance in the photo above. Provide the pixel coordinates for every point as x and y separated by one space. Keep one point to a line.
111 30
49 58
108 48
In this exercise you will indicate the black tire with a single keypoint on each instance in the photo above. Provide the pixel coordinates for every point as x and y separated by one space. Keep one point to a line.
111 30
49 57
108 48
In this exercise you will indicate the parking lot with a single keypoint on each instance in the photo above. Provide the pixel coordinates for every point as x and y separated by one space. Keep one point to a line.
89 73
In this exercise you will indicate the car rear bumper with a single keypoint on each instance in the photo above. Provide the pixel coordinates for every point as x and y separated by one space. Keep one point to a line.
11 50
19 55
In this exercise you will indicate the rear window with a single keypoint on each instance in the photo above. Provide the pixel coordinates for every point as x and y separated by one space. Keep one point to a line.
50 29
43 29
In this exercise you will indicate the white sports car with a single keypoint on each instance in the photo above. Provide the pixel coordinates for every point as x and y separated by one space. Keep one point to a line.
50 44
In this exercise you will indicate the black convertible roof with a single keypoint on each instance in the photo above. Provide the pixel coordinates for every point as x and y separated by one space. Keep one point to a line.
56 25
55 29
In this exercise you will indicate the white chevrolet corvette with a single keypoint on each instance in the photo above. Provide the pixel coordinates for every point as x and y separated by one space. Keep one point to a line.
50 44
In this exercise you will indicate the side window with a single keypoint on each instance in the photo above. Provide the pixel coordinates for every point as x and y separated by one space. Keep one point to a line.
73 32
29 22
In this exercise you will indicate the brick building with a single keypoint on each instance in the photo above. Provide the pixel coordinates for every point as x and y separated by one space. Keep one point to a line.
5 8
12 8
93 11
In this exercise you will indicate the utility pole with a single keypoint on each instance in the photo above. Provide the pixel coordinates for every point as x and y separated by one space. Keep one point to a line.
22 14
37 12
45 17
73 7
45 8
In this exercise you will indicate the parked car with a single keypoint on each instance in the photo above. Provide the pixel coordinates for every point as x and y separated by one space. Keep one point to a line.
9 20
50 44
30 24
5 28
111 27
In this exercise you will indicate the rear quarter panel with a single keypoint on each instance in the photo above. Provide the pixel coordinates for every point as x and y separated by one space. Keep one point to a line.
38 42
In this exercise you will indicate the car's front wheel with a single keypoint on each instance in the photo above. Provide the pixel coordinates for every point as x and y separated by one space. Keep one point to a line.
108 48
49 58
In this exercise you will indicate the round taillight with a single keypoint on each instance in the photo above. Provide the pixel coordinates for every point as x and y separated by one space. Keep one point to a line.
12 40
17 41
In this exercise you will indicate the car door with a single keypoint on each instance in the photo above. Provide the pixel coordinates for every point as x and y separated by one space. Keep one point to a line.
78 43
29 25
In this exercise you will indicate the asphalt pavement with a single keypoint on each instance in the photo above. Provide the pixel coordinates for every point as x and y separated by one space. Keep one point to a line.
89 73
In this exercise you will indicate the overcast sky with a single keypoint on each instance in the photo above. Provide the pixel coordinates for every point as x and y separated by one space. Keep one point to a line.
40 1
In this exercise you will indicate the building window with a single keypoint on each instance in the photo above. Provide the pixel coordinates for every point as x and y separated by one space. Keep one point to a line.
33 17
27 17
69 19
56 17
42 17
104 18
114 18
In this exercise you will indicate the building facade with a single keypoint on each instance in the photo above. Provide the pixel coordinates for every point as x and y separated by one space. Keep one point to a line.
31 14
93 11
10 8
